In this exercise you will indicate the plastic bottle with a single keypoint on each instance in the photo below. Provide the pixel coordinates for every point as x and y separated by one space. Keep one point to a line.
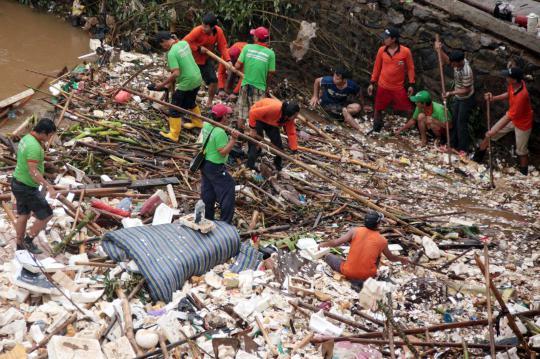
199 211
125 204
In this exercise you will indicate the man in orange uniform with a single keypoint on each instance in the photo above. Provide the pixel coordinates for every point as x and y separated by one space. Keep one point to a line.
518 118
367 244
265 117
392 62
208 35
226 78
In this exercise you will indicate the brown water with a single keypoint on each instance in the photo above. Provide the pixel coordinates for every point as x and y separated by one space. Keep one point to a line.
34 40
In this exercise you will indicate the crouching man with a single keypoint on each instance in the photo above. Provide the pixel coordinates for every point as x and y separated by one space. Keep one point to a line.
430 116
367 244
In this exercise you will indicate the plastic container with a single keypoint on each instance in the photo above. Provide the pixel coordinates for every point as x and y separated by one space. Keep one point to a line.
125 204
532 23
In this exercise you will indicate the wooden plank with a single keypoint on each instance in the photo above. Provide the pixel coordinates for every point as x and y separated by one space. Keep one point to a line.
480 19
138 184
16 98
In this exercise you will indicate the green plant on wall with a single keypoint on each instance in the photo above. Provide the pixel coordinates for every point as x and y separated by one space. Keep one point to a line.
241 15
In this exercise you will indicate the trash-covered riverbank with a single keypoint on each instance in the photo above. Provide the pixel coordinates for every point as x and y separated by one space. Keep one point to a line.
271 294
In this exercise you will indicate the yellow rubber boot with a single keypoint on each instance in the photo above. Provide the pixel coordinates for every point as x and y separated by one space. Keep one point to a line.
175 126
195 121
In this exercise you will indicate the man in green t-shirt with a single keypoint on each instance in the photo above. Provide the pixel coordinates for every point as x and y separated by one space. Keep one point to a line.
217 185
429 115
258 63
187 78
27 178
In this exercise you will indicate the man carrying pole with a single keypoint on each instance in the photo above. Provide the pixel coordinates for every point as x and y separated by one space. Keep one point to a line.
208 35
187 78
463 92
518 118
444 94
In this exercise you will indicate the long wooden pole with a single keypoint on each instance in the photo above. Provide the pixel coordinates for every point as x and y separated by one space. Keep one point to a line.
433 328
221 61
488 118
511 321
488 301
339 158
349 190
443 90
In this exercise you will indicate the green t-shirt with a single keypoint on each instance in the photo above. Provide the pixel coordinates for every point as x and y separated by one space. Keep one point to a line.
258 61
180 57
437 114
29 150
218 139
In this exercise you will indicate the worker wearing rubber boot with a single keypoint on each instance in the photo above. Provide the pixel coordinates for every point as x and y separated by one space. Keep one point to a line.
367 244
187 78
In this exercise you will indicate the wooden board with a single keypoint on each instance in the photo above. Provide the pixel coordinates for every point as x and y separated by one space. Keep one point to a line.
16 98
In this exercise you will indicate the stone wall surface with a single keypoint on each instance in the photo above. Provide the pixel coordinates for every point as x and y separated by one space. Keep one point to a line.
348 33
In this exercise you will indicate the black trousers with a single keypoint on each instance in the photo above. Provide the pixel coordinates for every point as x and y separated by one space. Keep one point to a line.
461 111
185 99
29 200
217 185
274 135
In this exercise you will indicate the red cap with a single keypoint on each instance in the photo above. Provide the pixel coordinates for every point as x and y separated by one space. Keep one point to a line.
234 52
261 32
221 110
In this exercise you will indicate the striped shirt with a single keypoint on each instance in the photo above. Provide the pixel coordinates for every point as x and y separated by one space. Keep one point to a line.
464 77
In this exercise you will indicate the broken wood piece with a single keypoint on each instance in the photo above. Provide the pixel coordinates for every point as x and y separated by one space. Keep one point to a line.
95 264
302 343
163 345
504 309
128 321
272 347
339 318
57 330
9 213
172 196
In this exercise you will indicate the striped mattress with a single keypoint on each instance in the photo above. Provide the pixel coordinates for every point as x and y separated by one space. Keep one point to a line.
169 254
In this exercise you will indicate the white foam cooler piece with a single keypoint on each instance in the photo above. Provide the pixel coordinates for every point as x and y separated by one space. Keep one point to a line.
431 249
61 347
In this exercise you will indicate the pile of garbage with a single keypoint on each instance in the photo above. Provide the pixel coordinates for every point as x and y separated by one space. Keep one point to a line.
107 285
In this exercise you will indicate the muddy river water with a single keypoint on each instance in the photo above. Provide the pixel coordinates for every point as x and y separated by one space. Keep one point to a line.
34 40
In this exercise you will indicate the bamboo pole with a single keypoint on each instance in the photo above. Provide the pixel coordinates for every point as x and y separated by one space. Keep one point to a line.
339 158
60 119
429 344
221 61
488 300
443 90
339 318
272 347
511 321
128 321
347 189
488 118
435 328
